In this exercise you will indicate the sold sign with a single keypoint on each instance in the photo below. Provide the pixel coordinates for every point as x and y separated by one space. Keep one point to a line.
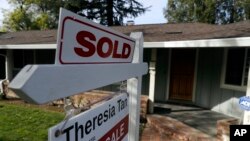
81 41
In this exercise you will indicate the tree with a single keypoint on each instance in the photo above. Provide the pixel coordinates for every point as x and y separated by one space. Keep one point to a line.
107 12
207 11
32 14
44 14
18 20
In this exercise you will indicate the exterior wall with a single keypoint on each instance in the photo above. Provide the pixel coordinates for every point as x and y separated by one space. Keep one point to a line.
9 66
17 59
162 64
208 91
145 78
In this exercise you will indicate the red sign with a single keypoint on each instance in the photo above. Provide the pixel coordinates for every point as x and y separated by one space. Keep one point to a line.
82 41
118 132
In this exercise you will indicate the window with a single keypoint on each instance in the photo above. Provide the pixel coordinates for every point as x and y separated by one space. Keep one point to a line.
22 58
45 56
2 67
25 57
2 64
235 69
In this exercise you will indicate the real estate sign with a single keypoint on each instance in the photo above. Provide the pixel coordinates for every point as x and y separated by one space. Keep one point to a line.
105 122
81 41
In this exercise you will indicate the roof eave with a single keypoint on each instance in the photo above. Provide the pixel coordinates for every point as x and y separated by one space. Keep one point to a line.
227 42
29 46
220 43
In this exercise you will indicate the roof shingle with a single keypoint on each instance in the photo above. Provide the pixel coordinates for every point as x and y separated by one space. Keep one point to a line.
151 32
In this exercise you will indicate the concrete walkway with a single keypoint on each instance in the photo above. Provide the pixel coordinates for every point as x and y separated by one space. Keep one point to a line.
171 122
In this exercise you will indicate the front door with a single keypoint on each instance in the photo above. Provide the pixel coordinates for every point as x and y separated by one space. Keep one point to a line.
182 74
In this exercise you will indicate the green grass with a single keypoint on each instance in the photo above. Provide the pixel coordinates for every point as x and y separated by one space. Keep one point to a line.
26 123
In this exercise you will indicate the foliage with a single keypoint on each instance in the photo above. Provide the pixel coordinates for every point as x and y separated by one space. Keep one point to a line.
107 12
22 123
207 11
44 14
31 14
19 19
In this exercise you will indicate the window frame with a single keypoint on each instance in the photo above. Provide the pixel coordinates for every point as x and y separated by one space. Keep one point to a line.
223 72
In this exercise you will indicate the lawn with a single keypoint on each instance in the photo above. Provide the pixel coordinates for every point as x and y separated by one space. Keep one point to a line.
22 122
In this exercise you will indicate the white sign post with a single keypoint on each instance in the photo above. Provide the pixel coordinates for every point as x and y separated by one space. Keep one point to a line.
134 89
88 56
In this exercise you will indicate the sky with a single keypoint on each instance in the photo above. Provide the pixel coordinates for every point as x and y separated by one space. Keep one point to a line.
4 5
154 15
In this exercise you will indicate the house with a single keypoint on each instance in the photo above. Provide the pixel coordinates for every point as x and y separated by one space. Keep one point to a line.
203 64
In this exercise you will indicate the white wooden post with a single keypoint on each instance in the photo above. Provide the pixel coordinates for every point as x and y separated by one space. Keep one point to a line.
134 89
9 64
246 118
152 73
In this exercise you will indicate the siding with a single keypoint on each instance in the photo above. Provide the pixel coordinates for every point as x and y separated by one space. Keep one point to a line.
208 91
145 78
161 74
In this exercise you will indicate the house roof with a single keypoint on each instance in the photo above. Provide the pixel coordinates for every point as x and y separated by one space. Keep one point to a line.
151 32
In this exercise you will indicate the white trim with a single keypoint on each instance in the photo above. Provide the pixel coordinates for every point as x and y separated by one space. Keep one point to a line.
152 72
233 87
29 46
227 42
223 75
168 74
9 64
244 67
195 73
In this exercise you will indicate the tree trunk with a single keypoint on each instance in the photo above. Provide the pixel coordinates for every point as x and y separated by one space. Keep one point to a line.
232 11
110 13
